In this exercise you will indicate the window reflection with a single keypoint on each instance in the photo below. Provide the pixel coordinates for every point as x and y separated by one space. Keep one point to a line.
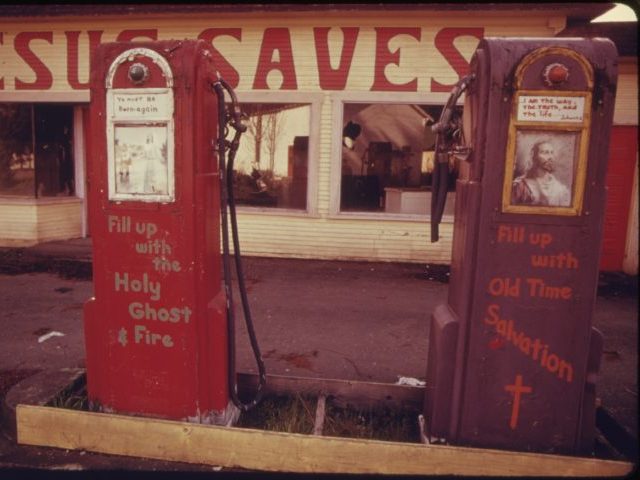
387 157
272 162
36 157
17 162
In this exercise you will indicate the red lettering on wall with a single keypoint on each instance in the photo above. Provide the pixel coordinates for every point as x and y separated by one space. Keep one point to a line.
226 70
276 39
1 78
129 35
44 78
506 287
330 78
444 42
73 54
385 57
510 234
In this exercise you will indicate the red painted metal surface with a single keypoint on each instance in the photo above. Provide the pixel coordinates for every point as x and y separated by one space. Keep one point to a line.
155 331
519 375
623 154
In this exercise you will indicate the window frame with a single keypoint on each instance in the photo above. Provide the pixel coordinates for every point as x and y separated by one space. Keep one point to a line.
314 100
337 114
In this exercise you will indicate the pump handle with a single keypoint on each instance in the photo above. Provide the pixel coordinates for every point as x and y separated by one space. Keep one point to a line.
446 143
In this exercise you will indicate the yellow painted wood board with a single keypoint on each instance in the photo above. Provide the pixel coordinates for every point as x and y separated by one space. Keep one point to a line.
283 452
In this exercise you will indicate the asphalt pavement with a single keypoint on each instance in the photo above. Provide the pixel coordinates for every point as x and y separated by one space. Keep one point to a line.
343 320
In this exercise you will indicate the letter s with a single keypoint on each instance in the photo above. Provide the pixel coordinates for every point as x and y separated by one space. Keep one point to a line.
226 70
493 311
44 78
174 315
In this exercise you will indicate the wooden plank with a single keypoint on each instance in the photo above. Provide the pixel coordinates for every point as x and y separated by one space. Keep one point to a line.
320 411
282 452
343 392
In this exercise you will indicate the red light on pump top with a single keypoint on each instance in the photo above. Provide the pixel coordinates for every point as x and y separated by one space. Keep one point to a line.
555 74
138 73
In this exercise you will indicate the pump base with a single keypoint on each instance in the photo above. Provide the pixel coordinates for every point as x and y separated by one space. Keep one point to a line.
227 417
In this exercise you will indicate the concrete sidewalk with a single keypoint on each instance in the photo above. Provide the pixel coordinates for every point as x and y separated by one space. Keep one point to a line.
349 320
344 320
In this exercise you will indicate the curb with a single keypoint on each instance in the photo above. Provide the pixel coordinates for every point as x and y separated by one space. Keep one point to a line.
39 389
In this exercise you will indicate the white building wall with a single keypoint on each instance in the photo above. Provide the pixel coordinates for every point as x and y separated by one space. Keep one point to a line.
322 231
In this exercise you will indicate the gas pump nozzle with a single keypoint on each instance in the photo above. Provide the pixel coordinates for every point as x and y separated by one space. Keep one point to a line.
446 144
236 116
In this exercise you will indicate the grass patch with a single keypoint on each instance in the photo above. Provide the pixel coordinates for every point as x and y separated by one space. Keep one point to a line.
379 424
297 415
72 399
281 414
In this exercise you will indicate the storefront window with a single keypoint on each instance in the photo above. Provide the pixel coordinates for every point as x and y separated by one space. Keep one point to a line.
36 157
387 157
272 162
17 172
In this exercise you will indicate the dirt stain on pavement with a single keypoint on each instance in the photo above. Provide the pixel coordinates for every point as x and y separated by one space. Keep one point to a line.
298 360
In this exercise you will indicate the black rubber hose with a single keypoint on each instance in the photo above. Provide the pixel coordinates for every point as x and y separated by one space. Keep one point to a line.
439 177
239 127
227 202
238 256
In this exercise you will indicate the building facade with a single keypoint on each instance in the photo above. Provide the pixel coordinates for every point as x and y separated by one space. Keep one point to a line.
336 163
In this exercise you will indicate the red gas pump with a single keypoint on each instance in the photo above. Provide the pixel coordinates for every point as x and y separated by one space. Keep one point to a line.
157 330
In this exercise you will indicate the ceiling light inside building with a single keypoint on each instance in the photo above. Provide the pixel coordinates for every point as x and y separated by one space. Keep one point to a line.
619 13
